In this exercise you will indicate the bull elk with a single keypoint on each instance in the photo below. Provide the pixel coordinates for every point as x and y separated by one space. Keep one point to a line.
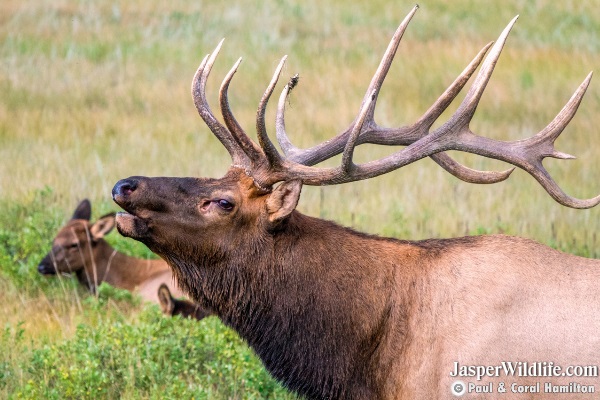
334 313
79 248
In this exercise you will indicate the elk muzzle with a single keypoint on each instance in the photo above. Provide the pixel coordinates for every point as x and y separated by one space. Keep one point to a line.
128 224
46 266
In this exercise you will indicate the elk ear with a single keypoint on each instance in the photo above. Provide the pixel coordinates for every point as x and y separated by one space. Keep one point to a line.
83 210
166 300
283 200
103 226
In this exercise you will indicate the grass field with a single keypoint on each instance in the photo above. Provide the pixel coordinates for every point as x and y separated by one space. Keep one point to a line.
95 91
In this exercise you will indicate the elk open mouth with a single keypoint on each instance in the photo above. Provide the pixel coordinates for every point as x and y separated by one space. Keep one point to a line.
132 226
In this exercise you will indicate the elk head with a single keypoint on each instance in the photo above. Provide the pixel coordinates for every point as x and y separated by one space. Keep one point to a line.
189 221
73 246
200 221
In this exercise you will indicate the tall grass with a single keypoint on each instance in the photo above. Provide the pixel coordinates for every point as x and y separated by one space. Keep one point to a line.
95 91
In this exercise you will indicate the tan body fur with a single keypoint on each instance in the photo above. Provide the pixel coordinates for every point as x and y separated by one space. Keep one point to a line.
497 299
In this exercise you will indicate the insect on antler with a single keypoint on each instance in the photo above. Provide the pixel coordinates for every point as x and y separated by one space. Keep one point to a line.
268 167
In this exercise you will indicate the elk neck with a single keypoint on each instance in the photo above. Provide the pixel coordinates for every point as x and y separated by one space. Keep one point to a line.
313 299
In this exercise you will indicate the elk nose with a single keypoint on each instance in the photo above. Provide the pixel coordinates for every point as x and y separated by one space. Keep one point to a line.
45 270
124 188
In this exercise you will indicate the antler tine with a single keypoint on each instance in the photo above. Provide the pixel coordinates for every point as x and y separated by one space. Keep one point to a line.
289 150
562 119
248 146
363 116
446 98
370 97
466 110
339 142
470 175
199 96
261 130
384 67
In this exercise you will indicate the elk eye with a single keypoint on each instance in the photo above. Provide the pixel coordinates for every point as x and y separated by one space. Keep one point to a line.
225 205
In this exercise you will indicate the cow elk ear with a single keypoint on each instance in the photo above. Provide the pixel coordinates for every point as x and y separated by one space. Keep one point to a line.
83 210
283 200
103 226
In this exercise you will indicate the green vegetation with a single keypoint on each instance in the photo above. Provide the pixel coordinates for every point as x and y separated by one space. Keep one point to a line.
95 91
118 353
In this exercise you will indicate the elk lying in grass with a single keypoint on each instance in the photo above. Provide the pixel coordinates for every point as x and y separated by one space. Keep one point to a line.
334 313
80 248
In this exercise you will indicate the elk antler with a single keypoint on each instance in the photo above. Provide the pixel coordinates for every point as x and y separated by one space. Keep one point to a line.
268 167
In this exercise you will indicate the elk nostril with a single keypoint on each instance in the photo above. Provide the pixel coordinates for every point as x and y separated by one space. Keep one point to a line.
45 270
124 187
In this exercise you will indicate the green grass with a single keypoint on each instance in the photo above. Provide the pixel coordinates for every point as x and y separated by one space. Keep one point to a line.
95 91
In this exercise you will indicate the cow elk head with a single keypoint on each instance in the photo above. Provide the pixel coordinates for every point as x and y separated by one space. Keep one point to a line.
73 247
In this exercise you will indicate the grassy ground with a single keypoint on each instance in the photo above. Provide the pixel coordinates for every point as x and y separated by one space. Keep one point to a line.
95 91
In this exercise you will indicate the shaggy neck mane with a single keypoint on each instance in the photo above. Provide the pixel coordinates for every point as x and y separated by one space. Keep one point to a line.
286 296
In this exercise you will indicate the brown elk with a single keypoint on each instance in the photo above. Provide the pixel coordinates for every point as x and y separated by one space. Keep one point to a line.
335 313
79 248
